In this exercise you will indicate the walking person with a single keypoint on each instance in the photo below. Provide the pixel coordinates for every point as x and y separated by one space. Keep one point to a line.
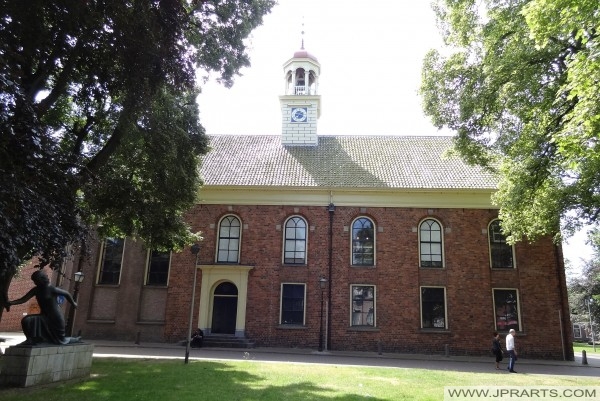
497 349
512 350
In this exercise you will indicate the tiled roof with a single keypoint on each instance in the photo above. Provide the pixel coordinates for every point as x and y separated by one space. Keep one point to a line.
402 162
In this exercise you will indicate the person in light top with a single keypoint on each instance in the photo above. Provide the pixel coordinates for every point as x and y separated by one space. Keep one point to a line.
512 350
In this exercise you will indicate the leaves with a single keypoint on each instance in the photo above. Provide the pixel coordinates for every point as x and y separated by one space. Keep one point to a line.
520 89
98 120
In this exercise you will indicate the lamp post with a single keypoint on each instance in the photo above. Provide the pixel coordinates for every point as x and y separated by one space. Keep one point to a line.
589 303
195 249
322 281
78 278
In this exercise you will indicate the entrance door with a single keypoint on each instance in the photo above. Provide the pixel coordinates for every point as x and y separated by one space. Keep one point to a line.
224 309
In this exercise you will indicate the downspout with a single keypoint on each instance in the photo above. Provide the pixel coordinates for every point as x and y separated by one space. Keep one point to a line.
560 266
331 209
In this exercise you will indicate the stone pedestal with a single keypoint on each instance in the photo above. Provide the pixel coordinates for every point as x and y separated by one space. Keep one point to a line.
24 366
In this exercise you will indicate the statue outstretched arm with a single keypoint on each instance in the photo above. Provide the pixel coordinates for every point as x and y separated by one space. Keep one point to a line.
23 299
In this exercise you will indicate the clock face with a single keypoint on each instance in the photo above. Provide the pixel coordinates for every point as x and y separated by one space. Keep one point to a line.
299 114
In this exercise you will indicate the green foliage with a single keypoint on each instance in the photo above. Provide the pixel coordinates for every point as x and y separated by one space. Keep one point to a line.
98 121
518 84
586 286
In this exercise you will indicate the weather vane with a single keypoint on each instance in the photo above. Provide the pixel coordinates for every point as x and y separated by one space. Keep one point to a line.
302 32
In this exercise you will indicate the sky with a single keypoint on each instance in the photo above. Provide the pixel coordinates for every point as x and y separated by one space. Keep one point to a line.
371 54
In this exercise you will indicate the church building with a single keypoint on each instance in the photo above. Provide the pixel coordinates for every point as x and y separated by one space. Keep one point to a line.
351 243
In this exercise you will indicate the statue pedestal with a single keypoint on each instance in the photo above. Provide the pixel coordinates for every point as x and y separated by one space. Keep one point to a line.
24 366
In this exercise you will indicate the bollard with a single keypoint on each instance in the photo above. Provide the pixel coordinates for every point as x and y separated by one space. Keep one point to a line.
447 350
137 338
379 347
583 357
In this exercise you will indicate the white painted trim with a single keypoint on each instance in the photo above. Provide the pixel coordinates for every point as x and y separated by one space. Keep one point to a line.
313 196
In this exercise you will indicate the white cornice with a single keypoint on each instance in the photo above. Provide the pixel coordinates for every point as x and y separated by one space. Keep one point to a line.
430 198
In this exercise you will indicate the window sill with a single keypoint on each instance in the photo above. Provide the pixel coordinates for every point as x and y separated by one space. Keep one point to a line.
364 328
435 331
432 267
294 265
292 327
362 266
151 323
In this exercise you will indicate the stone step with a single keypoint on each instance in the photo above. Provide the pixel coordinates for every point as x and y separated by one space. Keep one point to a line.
222 341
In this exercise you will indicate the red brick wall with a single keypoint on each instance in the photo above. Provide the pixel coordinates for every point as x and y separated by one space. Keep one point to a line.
20 284
467 277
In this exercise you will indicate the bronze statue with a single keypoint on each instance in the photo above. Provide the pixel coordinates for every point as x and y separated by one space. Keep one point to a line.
49 325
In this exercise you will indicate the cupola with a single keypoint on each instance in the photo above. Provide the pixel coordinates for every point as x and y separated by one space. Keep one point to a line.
300 103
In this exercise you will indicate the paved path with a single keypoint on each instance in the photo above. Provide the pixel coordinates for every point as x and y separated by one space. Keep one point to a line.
407 361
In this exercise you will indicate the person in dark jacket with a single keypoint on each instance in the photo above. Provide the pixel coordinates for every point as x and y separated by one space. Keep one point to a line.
497 349
197 339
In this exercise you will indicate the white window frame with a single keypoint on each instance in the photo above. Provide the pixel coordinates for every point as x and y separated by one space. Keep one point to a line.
352 242
441 242
577 328
433 326
239 241
518 309
295 241
147 272
281 322
371 314
102 258
512 248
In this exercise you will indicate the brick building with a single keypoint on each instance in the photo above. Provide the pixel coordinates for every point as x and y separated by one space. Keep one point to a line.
363 243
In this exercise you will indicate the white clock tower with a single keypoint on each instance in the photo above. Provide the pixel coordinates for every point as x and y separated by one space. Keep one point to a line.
300 105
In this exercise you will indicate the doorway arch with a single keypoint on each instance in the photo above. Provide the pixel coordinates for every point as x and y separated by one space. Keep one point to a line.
212 277
225 305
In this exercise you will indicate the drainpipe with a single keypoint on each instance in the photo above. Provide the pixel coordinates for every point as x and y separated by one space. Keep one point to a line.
559 267
331 209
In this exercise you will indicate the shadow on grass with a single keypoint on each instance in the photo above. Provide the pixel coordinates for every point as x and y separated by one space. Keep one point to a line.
128 380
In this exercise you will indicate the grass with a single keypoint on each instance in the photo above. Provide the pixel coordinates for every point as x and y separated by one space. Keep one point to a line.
168 380
589 349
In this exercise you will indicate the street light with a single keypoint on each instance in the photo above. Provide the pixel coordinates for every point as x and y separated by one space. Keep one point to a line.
322 281
589 302
195 249
78 278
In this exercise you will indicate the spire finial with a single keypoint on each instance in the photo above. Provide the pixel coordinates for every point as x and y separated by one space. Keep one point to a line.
302 32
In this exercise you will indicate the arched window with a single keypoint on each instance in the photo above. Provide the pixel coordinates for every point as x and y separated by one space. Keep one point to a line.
229 240
294 252
430 243
501 253
363 242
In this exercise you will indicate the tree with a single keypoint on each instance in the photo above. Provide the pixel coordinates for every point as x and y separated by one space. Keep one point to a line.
586 286
99 125
518 84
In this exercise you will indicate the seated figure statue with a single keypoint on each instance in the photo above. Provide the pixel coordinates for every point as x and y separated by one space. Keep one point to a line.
49 325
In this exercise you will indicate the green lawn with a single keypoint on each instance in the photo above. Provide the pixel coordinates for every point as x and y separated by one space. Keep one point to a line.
168 380
578 347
